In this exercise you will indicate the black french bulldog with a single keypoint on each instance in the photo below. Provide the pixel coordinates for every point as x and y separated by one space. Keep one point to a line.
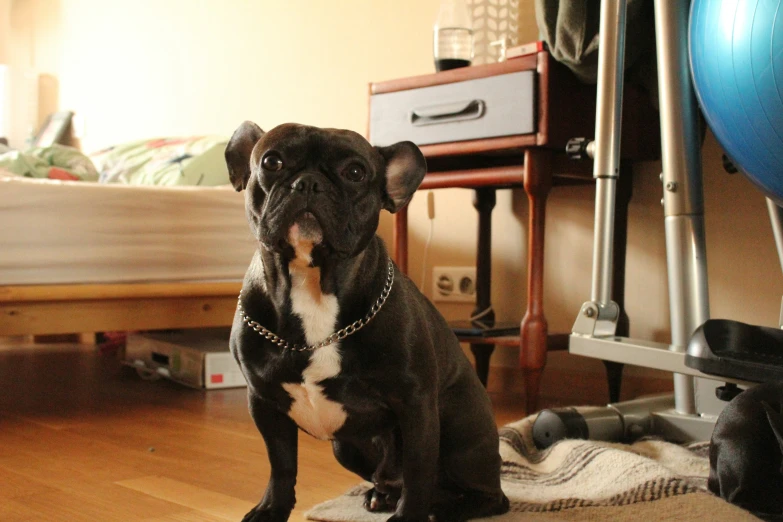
334 340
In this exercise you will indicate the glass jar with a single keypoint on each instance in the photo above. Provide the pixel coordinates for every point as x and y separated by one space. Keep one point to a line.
453 36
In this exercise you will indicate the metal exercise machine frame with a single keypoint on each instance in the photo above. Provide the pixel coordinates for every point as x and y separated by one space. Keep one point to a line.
593 333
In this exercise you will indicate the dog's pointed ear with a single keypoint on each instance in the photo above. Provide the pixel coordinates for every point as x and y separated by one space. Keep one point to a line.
238 152
405 168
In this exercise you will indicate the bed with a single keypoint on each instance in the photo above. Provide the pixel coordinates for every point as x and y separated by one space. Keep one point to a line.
81 256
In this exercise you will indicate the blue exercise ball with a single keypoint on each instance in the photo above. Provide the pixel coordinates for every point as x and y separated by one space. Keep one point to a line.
736 56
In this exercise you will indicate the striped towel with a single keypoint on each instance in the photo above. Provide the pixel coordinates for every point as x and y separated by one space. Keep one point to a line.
585 480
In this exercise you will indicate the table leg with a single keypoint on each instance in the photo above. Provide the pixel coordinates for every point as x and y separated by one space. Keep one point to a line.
533 330
483 201
400 239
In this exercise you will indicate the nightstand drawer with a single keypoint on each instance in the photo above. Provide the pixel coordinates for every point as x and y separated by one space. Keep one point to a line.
490 107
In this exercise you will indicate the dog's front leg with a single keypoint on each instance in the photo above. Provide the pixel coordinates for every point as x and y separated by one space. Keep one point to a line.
420 428
280 435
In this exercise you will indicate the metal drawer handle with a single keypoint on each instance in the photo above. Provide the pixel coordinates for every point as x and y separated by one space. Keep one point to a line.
447 113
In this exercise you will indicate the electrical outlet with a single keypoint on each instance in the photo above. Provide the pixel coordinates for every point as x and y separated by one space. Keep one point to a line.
455 284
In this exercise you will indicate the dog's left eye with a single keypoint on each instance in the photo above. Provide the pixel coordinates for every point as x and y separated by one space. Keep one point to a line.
272 161
354 172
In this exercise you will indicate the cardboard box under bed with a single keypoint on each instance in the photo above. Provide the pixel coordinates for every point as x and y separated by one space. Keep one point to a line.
199 358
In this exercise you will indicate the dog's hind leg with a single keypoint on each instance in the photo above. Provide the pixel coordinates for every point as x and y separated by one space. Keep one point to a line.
362 460
376 462
470 458
388 475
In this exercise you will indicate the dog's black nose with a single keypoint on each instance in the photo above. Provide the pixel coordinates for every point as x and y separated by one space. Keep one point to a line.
308 183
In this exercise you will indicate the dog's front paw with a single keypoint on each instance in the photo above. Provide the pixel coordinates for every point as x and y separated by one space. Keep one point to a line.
267 514
377 502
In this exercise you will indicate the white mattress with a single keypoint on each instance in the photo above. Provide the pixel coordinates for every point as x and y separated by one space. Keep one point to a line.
64 232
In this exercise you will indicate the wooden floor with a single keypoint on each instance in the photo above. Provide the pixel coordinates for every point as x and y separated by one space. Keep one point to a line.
83 438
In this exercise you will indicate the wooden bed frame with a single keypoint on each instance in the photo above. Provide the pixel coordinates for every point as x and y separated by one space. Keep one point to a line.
53 309
66 309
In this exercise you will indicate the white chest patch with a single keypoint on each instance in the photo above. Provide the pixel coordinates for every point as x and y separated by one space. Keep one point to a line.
311 410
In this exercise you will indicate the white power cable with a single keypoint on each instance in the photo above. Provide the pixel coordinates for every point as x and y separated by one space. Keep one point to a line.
431 215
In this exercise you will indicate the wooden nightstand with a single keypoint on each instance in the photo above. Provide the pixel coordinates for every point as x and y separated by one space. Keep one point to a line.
472 155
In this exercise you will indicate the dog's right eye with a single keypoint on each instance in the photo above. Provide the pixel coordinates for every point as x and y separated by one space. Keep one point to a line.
272 161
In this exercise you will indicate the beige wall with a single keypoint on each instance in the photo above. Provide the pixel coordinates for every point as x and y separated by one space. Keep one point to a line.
141 68
5 30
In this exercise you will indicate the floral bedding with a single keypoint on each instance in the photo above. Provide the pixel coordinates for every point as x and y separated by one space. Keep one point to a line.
196 160
55 162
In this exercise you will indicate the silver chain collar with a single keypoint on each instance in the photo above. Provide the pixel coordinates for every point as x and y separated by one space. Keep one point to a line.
336 336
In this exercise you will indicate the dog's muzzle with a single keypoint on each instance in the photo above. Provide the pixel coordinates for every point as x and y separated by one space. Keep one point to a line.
306 228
